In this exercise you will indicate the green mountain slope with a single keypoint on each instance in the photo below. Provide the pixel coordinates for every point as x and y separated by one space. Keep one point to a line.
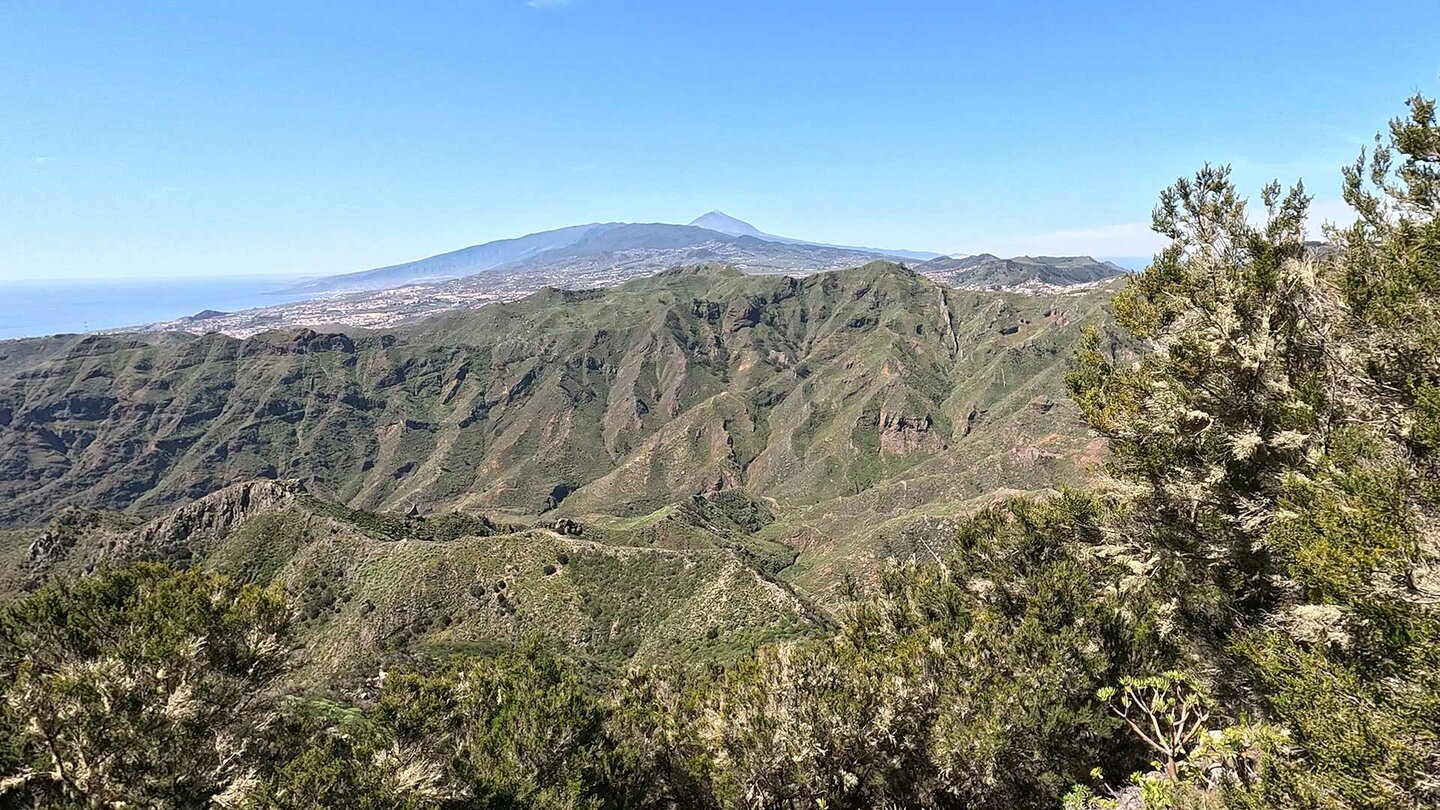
846 400
371 588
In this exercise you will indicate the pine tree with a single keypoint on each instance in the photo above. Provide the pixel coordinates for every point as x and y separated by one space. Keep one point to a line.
1273 442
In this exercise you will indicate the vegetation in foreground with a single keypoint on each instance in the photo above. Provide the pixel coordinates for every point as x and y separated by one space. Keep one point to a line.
1244 617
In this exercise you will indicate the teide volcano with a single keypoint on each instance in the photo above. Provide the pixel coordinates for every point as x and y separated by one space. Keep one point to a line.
649 246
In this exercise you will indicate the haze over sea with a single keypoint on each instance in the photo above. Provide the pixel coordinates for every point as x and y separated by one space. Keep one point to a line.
30 308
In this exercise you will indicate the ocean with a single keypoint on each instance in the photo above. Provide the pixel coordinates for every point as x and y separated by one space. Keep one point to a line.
31 308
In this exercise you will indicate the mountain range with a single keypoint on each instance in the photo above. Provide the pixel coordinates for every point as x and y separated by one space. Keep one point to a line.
604 255
854 409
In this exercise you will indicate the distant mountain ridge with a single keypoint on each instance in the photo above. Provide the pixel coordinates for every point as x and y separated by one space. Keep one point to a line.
1021 273
715 236
456 263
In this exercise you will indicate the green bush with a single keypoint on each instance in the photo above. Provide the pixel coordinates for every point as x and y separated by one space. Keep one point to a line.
140 687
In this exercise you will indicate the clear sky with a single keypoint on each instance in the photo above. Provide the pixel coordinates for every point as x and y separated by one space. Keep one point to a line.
145 139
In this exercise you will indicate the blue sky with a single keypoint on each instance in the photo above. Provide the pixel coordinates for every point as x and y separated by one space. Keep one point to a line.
159 139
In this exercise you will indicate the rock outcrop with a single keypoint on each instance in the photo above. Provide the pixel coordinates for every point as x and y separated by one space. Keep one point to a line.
171 537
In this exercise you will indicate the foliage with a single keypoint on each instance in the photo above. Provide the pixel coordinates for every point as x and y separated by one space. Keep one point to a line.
140 687
1165 711
521 731
334 756
963 685
1274 446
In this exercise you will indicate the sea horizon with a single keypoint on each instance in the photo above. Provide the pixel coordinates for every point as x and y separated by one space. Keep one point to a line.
40 307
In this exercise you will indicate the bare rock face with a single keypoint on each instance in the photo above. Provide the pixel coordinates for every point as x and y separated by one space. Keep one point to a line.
901 434
1056 317
974 418
568 528
1130 799
74 541
52 546
170 537
59 539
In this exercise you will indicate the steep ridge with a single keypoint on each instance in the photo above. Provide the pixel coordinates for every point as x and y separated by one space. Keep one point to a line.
373 588
848 399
